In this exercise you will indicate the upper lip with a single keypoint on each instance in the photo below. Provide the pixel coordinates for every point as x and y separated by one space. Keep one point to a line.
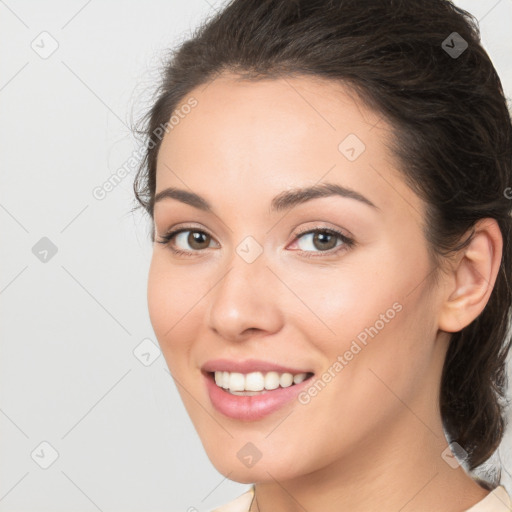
248 366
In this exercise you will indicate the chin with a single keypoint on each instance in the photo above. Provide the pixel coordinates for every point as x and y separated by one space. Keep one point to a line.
265 469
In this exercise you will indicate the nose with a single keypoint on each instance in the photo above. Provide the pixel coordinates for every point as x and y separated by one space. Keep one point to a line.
245 301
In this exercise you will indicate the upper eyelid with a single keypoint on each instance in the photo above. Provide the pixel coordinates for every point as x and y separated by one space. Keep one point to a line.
338 232
305 231
179 230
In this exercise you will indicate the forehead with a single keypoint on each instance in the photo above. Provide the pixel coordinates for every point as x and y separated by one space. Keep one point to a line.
266 106
279 133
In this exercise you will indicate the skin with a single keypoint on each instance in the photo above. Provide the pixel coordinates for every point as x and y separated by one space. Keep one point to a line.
372 439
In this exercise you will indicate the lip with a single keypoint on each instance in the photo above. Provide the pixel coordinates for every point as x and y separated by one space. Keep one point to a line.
251 408
248 366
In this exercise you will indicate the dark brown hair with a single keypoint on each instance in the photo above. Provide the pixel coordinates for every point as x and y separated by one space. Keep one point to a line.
452 138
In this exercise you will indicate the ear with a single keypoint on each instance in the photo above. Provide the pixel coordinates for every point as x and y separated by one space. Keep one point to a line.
472 277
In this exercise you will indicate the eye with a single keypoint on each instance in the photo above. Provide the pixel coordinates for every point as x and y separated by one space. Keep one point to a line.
322 240
187 240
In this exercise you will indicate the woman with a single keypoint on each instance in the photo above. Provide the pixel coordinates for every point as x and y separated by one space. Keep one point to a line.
330 276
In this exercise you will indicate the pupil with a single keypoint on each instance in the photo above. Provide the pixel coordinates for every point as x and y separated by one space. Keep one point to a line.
323 238
195 238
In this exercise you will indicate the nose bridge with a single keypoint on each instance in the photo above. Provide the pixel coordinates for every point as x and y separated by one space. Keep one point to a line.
247 265
242 299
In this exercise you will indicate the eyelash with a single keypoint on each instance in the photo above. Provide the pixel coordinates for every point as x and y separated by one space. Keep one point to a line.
347 242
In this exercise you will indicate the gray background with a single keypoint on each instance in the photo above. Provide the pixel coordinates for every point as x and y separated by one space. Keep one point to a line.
70 324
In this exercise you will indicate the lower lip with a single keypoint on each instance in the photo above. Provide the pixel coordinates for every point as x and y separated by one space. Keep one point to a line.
250 408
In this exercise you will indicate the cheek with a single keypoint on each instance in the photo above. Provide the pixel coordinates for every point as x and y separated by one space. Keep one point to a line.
386 353
374 312
341 302
160 300
174 296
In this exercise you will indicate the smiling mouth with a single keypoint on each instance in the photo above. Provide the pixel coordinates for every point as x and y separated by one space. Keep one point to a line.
256 383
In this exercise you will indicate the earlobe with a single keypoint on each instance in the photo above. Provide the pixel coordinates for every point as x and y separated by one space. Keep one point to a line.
473 276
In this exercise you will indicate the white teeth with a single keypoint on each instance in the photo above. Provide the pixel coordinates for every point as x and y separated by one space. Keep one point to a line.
297 379
253 382
286 380
236 381
271 380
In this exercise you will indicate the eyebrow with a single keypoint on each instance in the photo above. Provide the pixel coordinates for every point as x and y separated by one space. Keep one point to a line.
283 201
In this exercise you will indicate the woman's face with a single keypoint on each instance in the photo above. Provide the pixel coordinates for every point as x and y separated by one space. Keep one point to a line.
354 310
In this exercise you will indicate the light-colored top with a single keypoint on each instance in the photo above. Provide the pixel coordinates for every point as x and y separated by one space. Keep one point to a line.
497 500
